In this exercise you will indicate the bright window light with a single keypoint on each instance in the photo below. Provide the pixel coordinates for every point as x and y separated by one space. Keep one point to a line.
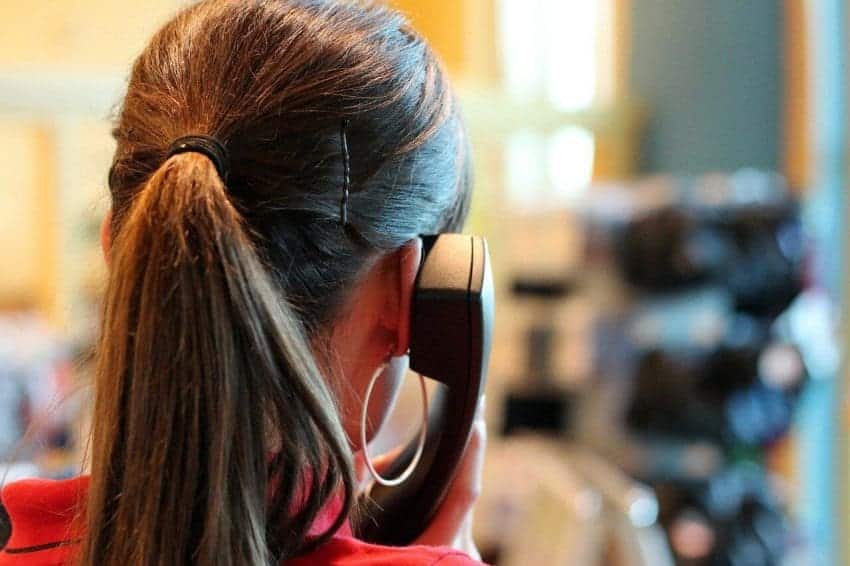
549 48
570 157
523 47
548 171
550 58
525 169
571 28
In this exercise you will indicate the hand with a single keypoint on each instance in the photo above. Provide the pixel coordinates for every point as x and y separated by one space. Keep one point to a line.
452 525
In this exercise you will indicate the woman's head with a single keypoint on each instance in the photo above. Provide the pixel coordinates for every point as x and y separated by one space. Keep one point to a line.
273 80
232 301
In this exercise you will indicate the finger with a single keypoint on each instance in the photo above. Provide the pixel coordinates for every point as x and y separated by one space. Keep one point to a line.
464 540
456 509
466 485
381 463
384 461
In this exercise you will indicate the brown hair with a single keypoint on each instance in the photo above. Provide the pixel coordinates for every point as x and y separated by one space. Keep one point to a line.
219 292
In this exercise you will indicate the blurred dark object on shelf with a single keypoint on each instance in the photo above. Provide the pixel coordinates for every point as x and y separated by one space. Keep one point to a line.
539 404
729 395
709 265
544 288
545 410
731 519
754 251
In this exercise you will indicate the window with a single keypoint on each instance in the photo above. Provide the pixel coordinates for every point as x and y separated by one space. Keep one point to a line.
556 59
549 47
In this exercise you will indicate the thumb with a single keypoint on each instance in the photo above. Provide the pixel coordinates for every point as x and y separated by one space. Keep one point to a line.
381 463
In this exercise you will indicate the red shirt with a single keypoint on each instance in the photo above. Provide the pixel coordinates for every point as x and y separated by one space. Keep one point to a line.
42 513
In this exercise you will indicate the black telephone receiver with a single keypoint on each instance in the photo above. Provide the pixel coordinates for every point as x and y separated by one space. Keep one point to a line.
450 336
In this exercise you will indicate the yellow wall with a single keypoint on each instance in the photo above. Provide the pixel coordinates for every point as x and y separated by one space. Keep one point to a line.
20 236
54 164
79 34
462 32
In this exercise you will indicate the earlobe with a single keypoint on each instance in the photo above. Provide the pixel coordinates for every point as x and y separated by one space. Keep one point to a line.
408 264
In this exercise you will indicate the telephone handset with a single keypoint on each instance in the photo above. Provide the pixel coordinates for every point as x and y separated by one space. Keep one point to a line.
450 335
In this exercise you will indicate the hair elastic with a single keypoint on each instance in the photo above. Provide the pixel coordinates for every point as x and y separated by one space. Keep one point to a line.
206 145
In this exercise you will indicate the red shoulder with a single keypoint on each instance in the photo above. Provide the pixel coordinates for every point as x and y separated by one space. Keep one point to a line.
348 551
455 558
41 515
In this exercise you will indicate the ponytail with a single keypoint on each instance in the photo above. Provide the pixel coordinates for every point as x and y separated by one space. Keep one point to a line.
215 439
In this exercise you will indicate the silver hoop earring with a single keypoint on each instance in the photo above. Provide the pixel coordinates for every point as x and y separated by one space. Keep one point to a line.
423 429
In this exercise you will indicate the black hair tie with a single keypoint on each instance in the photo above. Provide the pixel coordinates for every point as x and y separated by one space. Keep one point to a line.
206 145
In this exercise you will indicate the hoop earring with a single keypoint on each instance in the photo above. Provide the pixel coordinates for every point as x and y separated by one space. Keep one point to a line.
423 429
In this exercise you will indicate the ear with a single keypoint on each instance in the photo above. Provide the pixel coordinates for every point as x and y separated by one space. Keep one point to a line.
106 236
407 268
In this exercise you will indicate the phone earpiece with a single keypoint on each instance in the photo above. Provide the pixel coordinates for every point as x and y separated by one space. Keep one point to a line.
450 337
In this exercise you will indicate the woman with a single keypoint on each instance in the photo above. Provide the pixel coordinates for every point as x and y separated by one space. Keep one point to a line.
276 160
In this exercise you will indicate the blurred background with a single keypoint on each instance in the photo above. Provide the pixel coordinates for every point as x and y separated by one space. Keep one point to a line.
662 185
